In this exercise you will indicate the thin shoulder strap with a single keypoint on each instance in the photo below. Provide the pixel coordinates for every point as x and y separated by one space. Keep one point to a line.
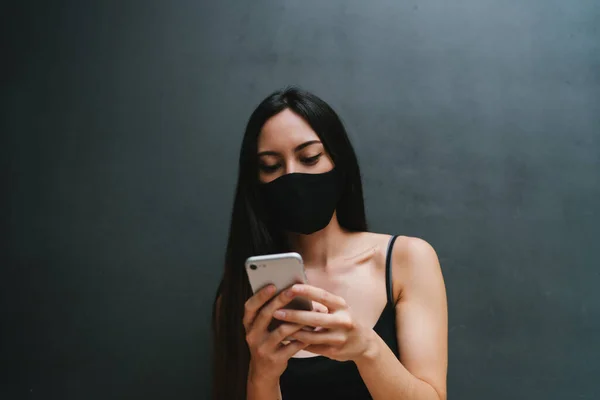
388 271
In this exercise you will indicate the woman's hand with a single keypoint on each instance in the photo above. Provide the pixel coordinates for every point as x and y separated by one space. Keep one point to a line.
269 356
340 337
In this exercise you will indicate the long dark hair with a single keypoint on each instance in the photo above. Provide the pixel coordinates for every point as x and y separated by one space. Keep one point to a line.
250 234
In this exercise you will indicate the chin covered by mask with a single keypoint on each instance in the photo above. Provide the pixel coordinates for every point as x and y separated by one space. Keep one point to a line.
302 203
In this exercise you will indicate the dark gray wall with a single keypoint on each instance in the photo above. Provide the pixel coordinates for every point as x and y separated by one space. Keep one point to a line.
477 125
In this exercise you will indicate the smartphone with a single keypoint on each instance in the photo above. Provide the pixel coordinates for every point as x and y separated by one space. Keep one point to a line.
282 270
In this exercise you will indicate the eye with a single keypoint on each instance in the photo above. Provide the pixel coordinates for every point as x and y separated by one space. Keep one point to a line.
311 160
268 168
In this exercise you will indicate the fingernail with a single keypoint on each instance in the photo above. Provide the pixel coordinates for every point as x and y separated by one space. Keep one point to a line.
271 289
279 314
289 293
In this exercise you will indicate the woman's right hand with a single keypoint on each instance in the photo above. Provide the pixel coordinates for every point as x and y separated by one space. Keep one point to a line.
268 356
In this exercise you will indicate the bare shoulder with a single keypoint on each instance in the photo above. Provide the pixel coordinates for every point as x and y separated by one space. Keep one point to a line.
408 252
413 251
415 266
407 249
404 246
421 311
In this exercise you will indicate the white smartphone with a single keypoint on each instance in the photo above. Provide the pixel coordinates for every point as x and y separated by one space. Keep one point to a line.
282 270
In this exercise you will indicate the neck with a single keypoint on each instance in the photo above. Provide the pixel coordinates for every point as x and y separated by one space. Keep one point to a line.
319 248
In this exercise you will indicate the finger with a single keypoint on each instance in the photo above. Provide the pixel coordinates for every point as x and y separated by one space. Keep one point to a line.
262 320
321 349
254 303
327 338
287 351
311 318
329 300
280 334
318 307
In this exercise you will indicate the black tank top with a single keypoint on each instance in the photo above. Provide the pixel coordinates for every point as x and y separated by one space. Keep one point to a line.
318 377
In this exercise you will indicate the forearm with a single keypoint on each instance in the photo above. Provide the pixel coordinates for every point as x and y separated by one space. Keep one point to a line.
262 390
386 377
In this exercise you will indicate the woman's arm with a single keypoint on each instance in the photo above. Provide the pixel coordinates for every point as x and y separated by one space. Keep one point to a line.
421 328
257 387
422 331
268 359
257 390
387 378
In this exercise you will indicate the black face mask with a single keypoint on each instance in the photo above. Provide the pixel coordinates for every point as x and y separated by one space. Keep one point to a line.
302 203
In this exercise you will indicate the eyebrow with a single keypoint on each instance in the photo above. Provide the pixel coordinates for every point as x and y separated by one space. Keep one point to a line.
296 149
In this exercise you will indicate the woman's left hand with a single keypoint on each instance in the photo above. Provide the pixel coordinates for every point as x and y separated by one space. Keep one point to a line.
339 337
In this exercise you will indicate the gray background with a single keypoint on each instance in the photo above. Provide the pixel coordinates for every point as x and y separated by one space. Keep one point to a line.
476 123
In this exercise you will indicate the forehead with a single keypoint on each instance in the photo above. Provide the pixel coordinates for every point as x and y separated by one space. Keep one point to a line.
285 130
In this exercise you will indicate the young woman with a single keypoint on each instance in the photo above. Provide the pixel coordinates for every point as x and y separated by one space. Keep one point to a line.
380 300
